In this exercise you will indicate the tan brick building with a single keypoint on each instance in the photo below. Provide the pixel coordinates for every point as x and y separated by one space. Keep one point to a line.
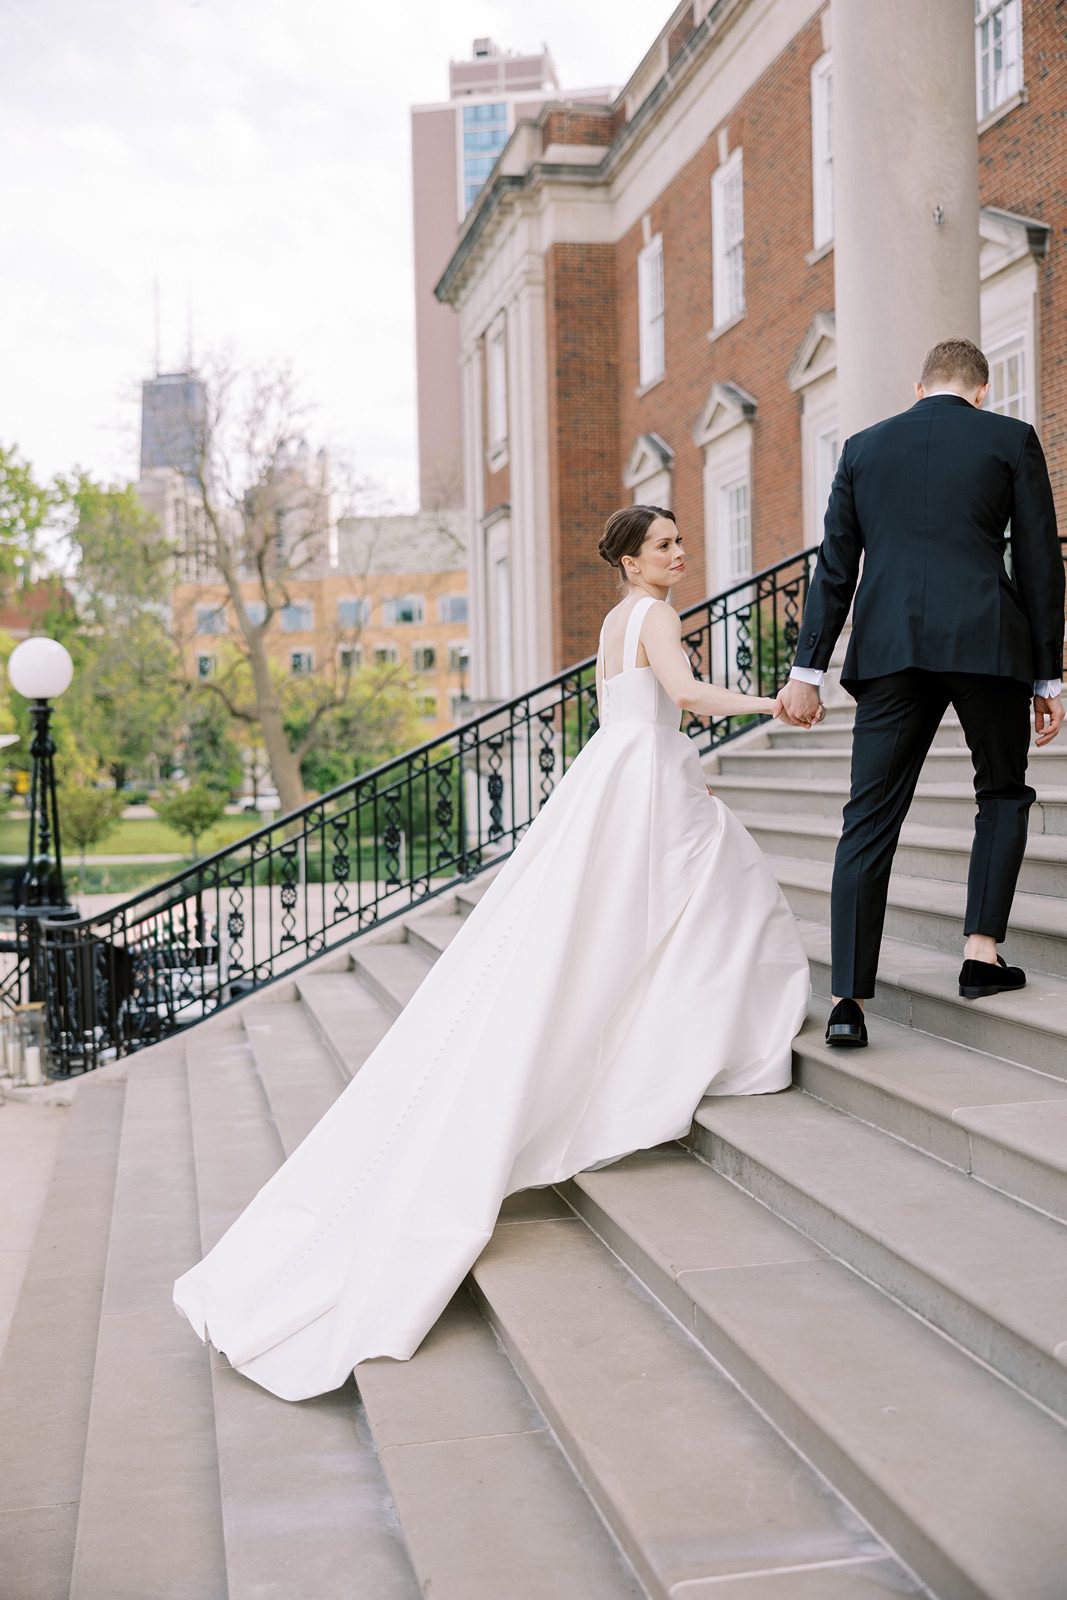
650 293
398 597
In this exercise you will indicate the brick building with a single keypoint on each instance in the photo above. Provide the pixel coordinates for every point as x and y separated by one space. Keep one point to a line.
396 597
650 293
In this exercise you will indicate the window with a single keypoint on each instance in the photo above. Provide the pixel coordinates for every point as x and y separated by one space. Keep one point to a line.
350 657
650 312
822 152
300 661
353 613
386 655
257 612
452 608
426 706
728 240
998 50
827 451
497 384
459 706
458 658
210 619
1007 380
404 609
736 525
299 617
424 658
205 666
485 133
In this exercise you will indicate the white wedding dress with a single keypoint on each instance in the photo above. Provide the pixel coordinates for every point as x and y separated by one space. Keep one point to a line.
632 955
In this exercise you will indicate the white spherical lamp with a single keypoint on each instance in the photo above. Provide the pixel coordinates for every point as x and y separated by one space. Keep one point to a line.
40 669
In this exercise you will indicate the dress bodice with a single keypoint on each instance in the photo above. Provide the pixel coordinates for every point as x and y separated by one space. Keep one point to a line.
635 694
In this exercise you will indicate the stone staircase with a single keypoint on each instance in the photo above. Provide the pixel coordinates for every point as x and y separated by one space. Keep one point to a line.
818 1352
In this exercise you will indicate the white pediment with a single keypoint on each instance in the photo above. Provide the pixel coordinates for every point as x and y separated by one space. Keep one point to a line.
649 456
817 353
1006 238
728 406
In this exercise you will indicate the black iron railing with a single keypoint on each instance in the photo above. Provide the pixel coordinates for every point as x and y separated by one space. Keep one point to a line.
371 849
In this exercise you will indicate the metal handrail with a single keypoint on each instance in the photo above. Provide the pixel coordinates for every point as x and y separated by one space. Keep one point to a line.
373 847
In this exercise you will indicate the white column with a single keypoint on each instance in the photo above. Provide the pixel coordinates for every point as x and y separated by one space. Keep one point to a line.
905 195
528 457
478 608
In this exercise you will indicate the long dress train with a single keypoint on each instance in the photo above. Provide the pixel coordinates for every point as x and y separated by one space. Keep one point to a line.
632 955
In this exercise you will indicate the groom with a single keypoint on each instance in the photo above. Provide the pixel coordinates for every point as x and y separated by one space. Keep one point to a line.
925 498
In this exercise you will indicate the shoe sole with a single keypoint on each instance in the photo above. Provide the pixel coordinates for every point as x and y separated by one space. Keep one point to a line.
971 993
849 1040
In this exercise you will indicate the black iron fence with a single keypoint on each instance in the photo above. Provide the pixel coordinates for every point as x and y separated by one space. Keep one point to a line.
369 850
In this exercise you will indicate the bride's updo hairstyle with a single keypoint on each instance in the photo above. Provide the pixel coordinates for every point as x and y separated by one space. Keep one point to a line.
625 532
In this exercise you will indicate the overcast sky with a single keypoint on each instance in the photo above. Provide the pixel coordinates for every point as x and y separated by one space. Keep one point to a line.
254 153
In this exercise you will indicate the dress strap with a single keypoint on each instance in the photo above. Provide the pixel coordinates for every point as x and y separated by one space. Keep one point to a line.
633 632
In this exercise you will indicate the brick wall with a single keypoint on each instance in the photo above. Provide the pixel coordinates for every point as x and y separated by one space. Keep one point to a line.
583 394
566 125
772 124
1022 167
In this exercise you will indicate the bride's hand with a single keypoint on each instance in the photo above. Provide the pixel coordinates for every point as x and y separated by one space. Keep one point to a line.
776 709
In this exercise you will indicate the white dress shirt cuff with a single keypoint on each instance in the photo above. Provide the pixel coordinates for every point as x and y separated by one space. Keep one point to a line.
1048 688
813 675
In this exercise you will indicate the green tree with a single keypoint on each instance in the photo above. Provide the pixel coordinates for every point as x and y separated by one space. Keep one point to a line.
25 508
212 754
191 812
87 815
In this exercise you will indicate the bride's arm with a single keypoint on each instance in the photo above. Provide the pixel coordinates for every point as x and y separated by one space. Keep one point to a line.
662 639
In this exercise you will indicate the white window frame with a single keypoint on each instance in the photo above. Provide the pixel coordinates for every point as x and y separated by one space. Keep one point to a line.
306 608
651 301
307 660
416 650
444 608
386 655
362 611
496 379
995 90
822 152
423 698
205 665
728 241
395 603
207 616
998 356
353 650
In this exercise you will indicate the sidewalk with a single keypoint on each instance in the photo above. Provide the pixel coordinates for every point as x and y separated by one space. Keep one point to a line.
29 1139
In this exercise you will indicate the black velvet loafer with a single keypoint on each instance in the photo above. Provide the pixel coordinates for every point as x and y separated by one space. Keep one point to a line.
979 978
846 1025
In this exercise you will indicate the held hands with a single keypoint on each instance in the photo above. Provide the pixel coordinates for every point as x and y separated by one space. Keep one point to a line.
1048 718
799 705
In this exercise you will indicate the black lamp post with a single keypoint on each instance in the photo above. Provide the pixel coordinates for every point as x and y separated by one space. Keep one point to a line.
40 670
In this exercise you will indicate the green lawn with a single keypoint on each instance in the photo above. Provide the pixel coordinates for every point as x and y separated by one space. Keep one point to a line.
135 836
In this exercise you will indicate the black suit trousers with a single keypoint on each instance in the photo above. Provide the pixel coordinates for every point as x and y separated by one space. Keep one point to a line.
897 717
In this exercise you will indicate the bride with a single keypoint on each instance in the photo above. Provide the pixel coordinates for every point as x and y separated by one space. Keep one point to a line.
632 955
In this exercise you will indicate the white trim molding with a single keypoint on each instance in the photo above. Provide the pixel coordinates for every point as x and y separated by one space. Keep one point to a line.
726 408
1011 248
649 471
816 354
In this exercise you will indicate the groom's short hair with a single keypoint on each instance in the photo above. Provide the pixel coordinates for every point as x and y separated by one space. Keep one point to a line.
955 361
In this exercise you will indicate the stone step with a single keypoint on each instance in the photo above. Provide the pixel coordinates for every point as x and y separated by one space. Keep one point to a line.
923 852
487 1502
836 734
1047 770
150 1521
925 913
990 1273
391 972
934 805
431 933
1003 1124
348 1019
920 988
704 1496
963 1476
303 1499
46 1371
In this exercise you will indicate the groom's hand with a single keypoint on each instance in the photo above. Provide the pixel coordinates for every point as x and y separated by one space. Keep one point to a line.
801 705
1048 718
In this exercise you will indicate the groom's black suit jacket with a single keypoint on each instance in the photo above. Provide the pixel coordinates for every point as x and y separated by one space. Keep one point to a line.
925 498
